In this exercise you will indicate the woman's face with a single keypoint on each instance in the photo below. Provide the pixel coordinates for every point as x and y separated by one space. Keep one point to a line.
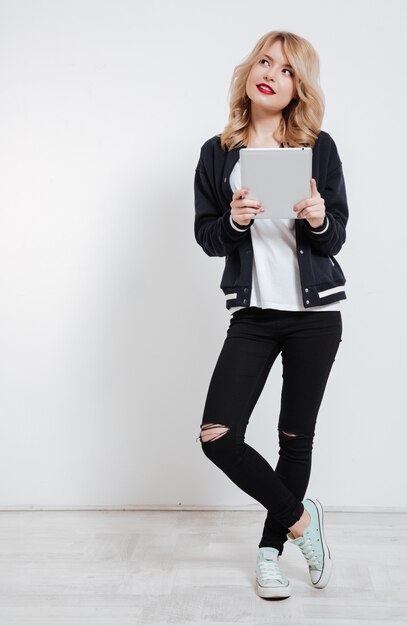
272 70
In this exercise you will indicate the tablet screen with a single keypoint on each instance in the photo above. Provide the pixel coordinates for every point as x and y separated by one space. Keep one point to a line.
278 178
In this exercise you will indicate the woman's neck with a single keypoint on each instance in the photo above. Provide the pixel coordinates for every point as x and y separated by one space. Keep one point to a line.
262 128
266 143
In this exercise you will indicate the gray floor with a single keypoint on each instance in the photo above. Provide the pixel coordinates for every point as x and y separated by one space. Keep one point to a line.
122 568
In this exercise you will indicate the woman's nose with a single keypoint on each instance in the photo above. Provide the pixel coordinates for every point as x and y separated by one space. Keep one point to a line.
270 76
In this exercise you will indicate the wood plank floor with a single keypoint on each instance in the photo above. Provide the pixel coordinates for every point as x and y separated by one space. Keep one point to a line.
122 568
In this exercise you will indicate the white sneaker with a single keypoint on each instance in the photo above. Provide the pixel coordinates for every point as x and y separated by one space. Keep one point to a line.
270 581
314 546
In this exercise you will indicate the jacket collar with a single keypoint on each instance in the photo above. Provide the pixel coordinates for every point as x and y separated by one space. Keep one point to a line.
231 158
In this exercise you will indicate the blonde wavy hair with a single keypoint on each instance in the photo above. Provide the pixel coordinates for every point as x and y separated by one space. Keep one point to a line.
302 117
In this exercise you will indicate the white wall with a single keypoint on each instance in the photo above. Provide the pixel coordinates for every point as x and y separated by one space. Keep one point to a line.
111 315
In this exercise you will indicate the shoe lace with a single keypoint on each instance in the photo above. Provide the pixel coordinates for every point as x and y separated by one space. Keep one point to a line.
270 569
308 552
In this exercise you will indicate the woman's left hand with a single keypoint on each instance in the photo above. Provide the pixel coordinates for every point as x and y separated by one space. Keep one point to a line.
313 208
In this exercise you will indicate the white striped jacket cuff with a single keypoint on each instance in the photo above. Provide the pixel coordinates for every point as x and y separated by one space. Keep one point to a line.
319 232
241 230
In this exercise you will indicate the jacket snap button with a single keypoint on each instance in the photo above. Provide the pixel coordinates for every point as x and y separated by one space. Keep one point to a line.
224 180
306 301
244 301
301 251
306 289
245 290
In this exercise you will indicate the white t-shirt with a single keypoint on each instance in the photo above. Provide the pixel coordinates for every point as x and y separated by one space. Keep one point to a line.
275 275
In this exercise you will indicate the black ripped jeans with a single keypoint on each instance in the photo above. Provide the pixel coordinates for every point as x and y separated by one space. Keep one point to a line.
308 342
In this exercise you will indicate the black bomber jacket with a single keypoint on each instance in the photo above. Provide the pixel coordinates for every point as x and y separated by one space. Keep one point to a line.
321 276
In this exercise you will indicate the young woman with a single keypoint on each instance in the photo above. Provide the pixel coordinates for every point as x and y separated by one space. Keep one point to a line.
283 288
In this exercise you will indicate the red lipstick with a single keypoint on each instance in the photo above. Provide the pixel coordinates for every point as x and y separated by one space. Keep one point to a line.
263 88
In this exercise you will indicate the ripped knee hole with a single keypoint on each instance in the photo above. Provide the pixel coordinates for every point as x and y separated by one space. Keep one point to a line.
216 431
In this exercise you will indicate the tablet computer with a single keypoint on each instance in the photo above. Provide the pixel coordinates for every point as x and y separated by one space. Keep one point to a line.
277 177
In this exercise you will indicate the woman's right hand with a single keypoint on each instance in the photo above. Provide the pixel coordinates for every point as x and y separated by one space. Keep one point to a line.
243 209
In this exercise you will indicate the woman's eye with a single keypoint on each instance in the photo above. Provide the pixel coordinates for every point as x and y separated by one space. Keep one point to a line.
285 70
